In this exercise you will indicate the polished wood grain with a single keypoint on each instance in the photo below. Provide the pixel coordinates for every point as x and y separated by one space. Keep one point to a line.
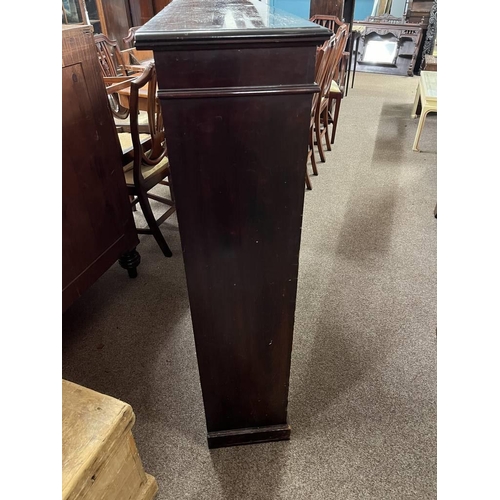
236 83
97 223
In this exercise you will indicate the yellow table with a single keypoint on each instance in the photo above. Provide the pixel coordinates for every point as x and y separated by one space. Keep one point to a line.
425 101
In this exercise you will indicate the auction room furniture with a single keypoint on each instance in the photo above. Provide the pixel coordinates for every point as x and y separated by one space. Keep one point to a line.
333 23
389 45
149 166
143 57
236 80
97 223
425 101
321 119
337 85
322 57
100 460
113 68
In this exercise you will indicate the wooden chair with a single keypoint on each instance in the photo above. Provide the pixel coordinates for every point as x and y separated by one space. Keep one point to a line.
129 40
140 57
333 23
337 87
110 57
150 166
321 118
322 56
115 71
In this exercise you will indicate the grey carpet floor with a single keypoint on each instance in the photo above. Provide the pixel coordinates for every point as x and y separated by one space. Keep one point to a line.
362 401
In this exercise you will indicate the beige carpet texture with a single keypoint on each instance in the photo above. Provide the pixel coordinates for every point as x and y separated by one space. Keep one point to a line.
362 400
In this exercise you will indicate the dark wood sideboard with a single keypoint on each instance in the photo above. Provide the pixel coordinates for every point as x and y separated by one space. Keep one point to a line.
236 81
97 222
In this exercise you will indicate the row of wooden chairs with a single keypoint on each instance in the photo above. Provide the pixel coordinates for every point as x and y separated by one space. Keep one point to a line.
330 77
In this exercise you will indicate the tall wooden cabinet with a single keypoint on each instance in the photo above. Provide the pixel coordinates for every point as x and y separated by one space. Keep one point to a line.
97 222
235 81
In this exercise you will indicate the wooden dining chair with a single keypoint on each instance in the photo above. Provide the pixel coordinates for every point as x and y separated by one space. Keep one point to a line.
337 86
149 166
134 56
322 55
129 40
333 23
114 70
321 117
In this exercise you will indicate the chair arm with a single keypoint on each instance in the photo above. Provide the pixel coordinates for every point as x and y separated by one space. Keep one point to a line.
116 83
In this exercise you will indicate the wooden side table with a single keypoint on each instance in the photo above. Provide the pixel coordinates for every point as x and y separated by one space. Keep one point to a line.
425 101
236 80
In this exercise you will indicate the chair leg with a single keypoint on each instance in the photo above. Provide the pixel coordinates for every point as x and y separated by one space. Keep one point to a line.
355 61
318 137
313 163
351 49
313 158
134 206
153 226
325 124
308 181
338 100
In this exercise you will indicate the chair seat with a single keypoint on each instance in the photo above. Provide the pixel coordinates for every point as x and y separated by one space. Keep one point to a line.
142 119
147 170
334 88
126 140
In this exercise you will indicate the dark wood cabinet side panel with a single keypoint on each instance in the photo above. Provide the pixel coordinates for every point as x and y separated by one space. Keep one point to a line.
239 202
91 214
236 105
97 222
